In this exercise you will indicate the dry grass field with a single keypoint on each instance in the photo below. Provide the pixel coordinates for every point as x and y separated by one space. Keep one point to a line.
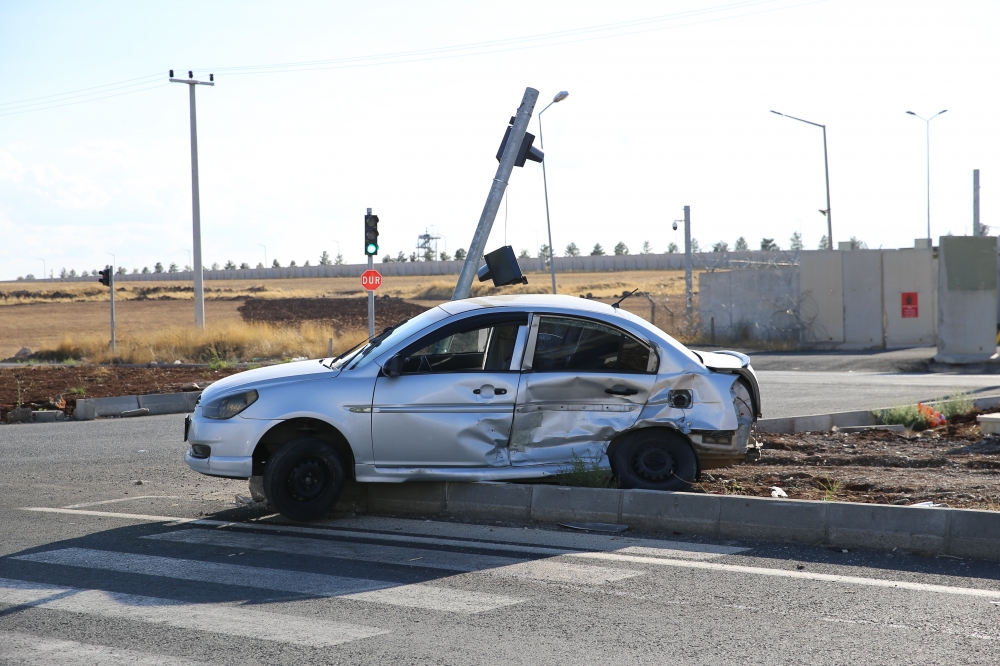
75 315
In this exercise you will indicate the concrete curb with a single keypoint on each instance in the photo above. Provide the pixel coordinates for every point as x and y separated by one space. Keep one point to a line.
820 422
928 531
87 409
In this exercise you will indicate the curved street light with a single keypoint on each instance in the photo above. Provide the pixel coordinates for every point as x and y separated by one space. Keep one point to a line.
560 96
826 164
927 123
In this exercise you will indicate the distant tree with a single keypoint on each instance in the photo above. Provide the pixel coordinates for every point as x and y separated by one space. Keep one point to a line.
524 254
413 257
275 264
121 270
260 264
292 264
29 276
672 248
621 248
402 257
387 259
445 256
158 268
244 266
215 266
172 268
72 272
721 246
741 245
135 271
695 246
598 251
572 250
339 260
647 248
543 251
795 242
824 243
145 270
187 268
858 244
307 263
460 254
768 244
63 273
324 259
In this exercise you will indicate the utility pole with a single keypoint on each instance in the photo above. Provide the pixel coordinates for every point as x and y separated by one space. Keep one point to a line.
111 279
826 167
975 202
199 286
489 214
688 296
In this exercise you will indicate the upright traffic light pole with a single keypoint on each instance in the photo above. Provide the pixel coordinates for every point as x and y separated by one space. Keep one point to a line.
371 249
108 280
199 286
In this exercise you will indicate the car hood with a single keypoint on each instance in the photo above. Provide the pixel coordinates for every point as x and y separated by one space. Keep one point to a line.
270 375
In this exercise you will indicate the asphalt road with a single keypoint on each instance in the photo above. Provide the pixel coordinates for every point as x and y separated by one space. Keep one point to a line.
96 569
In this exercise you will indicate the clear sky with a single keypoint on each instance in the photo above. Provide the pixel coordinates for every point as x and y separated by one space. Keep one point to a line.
669 106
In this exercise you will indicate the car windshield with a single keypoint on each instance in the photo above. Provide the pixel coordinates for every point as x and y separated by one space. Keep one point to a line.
399 332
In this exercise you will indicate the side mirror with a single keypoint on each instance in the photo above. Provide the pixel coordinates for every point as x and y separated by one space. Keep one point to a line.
393 367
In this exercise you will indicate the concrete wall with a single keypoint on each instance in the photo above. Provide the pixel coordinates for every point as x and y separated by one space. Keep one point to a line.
763 299
906 272
821 284
967 297
633 262
862 277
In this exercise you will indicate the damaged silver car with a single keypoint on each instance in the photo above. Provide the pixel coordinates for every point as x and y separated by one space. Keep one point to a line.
482 389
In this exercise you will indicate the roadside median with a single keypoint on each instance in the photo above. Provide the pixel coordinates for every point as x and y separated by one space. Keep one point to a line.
924 530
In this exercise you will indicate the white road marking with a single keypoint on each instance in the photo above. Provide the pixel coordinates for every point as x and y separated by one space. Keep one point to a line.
437 598
213 618
299 582
499 538
121 499
782 573
365 552
18 648
564 572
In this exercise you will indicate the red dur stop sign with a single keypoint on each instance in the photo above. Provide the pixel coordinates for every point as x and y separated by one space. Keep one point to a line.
371 280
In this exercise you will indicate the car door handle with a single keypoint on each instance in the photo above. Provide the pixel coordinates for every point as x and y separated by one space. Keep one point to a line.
618 389
499 391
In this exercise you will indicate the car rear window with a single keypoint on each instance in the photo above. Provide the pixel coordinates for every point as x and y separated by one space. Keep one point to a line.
565 344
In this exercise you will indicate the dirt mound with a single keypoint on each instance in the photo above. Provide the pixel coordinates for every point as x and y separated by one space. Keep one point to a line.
342 313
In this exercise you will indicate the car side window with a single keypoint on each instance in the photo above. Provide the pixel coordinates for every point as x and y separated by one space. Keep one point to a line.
565 344
480 349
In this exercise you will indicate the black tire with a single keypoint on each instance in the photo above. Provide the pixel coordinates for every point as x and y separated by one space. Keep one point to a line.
655 459
303 479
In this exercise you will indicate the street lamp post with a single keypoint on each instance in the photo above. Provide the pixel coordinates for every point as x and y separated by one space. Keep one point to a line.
927 123
826 165
545 183
265 253
199 285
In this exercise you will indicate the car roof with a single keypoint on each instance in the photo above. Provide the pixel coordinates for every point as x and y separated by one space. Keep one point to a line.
528 301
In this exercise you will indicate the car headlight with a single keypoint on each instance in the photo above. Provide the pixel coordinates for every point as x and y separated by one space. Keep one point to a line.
229 406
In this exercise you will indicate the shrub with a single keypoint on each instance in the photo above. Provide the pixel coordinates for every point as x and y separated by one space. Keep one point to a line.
587 473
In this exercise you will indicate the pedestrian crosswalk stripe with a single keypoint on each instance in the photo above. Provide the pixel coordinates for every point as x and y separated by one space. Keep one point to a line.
18 648
299 582
564 572
215 618
366 552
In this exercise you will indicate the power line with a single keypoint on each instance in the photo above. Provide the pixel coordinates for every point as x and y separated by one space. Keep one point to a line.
72 92
83 101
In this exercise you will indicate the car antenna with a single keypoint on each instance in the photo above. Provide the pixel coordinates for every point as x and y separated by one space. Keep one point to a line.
624 296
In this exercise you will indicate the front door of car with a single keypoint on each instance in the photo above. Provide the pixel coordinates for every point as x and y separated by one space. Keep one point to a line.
582 383
452 404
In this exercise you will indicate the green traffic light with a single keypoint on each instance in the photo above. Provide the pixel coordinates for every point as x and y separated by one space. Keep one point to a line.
371 248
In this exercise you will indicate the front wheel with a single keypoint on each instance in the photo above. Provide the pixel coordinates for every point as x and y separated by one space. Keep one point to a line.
655 460
303 479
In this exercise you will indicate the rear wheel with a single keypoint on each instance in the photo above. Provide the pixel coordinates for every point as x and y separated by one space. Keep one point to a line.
655 459
303 479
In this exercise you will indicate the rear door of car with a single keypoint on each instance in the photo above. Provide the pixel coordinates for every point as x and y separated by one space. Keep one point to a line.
582 382
453 403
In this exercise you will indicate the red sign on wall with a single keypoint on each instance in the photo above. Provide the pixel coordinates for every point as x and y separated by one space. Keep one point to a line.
911 308
371 280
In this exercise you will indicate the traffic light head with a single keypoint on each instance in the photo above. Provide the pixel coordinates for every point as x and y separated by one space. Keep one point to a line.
371 234
526 150
501 267
106 277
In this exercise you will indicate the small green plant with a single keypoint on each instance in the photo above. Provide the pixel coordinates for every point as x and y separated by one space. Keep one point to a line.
216 363
19 401
79 390
904 415
959 404
587 473
70 361
733 487
829 487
